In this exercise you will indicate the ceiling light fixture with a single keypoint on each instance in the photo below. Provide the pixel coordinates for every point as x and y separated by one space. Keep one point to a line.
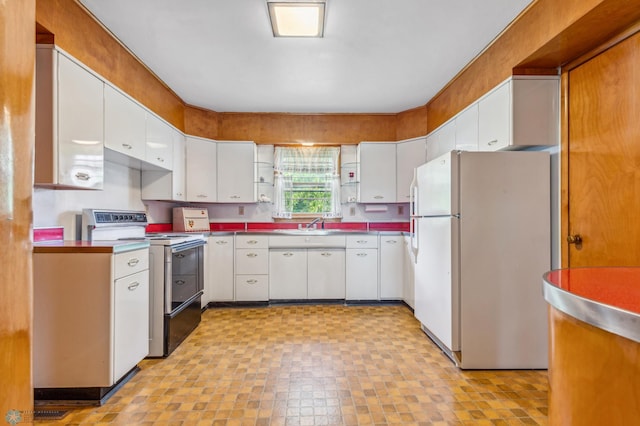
297 19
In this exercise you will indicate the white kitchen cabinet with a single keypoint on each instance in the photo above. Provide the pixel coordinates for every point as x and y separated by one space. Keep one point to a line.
441 141
361 267
326 274
165 185
409 155
362 274
69 123
521 112
236 172
218 272
201 175
252 268
391 267
377 172
89 335
159 142
287 274
124 124
409 261
467 129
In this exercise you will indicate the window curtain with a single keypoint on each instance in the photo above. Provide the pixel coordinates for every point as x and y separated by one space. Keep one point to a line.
322 161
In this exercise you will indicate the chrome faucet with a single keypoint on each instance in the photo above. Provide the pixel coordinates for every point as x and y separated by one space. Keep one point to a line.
313 222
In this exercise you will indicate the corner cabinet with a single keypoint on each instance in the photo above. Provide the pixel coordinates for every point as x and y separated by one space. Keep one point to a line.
159 142
523 111
201 176
409 155
69 123
376 162
165 185
236 172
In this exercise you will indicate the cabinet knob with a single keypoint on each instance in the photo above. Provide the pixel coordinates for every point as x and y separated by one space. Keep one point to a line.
493 142
221 242
326 254
362 241
133 286
252 281
252 242
391 241
378 197
127 146
575 239
133 262
82 176
202 196
361 254
160 159
252 254
287 254
234 197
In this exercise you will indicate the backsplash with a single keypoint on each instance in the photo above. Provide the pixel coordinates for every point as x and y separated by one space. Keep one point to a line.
122 191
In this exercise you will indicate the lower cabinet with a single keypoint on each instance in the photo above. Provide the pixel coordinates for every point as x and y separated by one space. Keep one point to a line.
252 268
391 267
219 278
326 274
362 274
306 274
288 274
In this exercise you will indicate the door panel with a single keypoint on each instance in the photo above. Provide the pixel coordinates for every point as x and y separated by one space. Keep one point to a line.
604 157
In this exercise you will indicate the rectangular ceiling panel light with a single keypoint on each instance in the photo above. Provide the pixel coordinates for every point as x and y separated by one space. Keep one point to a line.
293 19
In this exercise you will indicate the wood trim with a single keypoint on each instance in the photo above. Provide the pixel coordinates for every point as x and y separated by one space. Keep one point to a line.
564 169
17 140
628 32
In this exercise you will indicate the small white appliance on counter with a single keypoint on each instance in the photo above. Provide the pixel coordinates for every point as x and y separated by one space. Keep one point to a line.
190 219
176 273
482 242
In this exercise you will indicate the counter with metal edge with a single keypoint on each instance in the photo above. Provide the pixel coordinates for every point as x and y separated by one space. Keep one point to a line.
89 246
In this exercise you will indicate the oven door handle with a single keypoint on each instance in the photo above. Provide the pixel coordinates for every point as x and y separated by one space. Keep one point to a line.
185 305
187 246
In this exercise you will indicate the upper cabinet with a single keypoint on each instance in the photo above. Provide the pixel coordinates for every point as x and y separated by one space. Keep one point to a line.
236 172
201 174
164 185
409 155
124 126
159 142
467 129
442 140
69 123
377 172
523 111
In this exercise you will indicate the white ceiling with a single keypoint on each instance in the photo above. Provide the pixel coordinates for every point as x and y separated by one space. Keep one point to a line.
382 56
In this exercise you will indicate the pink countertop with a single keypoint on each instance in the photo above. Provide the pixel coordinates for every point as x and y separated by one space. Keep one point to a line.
617 287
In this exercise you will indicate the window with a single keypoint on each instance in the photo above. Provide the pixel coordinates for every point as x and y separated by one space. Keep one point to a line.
307 181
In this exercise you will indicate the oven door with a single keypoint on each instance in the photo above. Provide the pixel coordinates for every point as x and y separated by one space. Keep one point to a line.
183 274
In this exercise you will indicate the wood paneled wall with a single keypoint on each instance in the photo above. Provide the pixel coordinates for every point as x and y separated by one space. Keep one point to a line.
17 138
318 128
201 122
75 31
411 123
548 34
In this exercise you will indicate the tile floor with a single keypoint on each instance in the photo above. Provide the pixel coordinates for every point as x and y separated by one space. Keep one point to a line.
317 365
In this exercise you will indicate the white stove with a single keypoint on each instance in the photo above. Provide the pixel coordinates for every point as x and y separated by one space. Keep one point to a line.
176 273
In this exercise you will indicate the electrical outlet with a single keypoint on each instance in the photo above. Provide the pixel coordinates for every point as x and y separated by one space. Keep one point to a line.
241 210
352 211
400 210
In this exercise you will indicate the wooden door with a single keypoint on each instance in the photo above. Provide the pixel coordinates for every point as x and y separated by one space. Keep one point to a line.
604 157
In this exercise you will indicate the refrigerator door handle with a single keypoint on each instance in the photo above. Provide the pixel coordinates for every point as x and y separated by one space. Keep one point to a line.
415 242
412 194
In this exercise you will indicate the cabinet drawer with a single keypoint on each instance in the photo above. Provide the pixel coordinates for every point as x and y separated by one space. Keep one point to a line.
252 261
252 241
252 287
362 241
130 262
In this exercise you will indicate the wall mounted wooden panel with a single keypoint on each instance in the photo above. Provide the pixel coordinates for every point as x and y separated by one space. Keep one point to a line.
537 39
274 128
412 123
201 122
83 37
17 139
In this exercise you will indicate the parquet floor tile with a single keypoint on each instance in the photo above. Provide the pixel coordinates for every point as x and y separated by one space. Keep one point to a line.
317 365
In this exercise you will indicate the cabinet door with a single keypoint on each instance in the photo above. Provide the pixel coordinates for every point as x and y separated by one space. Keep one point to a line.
131 322
124 124
494 119
287 274
219 282
467 129
443 141
159 142
362 274
236 172
391 266
80 126
409 155
201 171
326 274
252 261
377 163
252 288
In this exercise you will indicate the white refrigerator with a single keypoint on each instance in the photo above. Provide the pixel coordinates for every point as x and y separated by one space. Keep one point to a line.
481 237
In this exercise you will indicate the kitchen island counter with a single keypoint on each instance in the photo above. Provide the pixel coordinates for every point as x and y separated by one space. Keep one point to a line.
594 345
